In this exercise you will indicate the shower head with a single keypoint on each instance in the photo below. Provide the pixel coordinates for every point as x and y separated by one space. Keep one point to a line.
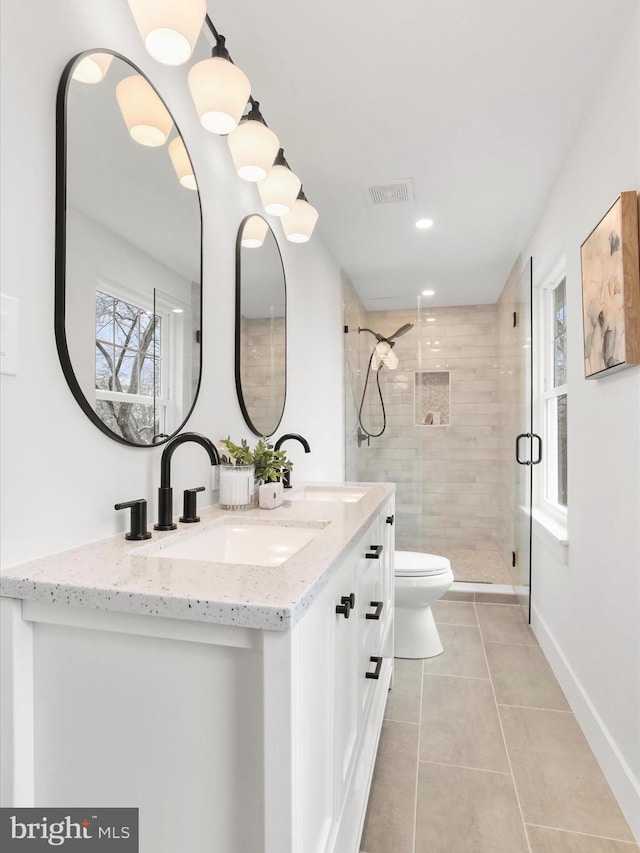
401 331
390 338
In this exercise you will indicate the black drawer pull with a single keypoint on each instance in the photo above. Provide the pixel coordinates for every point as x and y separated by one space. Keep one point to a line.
378 606
378 662
391 519
376 551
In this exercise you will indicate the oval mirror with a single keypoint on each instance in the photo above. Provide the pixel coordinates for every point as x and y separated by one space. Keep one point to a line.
128 253
261 326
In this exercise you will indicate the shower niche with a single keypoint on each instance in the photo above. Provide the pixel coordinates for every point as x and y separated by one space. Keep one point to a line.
432 398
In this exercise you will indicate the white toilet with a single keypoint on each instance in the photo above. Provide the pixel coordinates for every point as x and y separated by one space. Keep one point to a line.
420 579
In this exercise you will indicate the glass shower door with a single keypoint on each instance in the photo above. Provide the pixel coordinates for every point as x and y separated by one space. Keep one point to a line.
526 447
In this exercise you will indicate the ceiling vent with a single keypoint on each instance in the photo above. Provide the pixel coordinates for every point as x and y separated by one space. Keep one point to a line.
393 192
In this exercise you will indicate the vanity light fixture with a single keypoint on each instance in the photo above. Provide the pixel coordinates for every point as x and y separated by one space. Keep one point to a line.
423 224
253 146
253 232
146 117
169 29
93 68
182 163
280 188
220 90
299 223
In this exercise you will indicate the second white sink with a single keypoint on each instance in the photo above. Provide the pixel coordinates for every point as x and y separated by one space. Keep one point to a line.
334 494
239 542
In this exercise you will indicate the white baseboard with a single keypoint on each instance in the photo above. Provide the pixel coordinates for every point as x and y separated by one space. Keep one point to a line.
619 775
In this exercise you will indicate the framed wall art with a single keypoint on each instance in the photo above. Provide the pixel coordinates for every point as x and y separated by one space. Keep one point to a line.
611 290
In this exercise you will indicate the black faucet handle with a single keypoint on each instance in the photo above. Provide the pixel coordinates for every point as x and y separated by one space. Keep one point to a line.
138 519
189 505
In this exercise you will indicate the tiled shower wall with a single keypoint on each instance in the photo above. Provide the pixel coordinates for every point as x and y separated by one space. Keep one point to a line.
450 479
263 374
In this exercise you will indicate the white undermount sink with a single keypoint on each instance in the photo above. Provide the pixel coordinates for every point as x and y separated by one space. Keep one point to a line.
239 542
335 494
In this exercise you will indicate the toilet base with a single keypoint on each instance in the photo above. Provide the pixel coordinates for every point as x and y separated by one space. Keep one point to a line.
416 635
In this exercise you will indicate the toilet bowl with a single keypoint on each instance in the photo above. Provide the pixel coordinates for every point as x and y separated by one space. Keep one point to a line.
420 579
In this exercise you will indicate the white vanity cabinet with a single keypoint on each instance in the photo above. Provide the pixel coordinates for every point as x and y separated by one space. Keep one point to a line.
228 738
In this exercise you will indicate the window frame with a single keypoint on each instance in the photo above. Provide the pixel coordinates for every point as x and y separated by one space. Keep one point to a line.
546 486
170 338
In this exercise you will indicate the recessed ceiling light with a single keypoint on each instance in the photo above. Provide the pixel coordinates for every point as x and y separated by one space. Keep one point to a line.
431 319
428 292
424 223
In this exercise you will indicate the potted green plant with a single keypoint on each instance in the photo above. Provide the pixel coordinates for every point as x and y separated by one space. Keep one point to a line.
269 466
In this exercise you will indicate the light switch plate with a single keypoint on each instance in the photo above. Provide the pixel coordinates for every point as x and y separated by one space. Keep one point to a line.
9 314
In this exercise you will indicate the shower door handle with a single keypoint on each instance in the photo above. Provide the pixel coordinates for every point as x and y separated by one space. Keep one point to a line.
539 440
518 439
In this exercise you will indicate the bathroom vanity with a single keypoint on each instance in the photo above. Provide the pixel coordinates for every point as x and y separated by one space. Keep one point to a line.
229 680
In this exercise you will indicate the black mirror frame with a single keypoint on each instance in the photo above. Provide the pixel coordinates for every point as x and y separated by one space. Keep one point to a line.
61 252
238 346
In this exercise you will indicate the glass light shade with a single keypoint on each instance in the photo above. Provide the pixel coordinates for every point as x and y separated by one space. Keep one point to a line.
92 68
278 191
299 223
220 91
253 149
169 28
182 163
254 231
145 115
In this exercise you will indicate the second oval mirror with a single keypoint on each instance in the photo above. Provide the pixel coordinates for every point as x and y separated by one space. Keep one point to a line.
261 326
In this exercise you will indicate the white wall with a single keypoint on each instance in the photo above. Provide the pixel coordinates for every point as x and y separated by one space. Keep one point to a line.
587 613
60 474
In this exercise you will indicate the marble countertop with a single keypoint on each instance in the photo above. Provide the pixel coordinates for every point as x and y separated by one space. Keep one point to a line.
112 574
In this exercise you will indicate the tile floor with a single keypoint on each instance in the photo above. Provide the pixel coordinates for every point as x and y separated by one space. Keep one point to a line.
480 753
477 566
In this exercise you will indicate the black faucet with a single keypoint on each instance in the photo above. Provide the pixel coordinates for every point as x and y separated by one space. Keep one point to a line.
165 492
286 479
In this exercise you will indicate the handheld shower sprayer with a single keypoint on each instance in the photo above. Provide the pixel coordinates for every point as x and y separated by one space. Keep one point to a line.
382 355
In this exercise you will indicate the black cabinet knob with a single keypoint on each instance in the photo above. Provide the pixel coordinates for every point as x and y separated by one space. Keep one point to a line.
375 550
138 521
347 603
189 506
391 519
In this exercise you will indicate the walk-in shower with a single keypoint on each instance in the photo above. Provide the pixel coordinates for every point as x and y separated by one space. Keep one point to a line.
437 408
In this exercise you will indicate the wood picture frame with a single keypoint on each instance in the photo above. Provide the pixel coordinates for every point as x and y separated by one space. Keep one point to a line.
611 290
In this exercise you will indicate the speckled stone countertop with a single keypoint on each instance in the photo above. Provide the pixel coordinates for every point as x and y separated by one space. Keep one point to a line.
113 574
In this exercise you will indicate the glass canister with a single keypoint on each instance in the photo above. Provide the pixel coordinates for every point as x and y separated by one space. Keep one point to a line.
236 486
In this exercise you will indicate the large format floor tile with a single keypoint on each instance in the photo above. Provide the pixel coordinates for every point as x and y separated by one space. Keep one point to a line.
403 702
463 653
559 782
390 816
504 623
544 840
522 676
460 724
466 811
454 613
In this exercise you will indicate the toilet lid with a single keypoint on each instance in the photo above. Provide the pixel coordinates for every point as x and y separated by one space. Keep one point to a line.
414 563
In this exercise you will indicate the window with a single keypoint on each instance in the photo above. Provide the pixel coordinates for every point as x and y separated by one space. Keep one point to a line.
553 397
128 369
